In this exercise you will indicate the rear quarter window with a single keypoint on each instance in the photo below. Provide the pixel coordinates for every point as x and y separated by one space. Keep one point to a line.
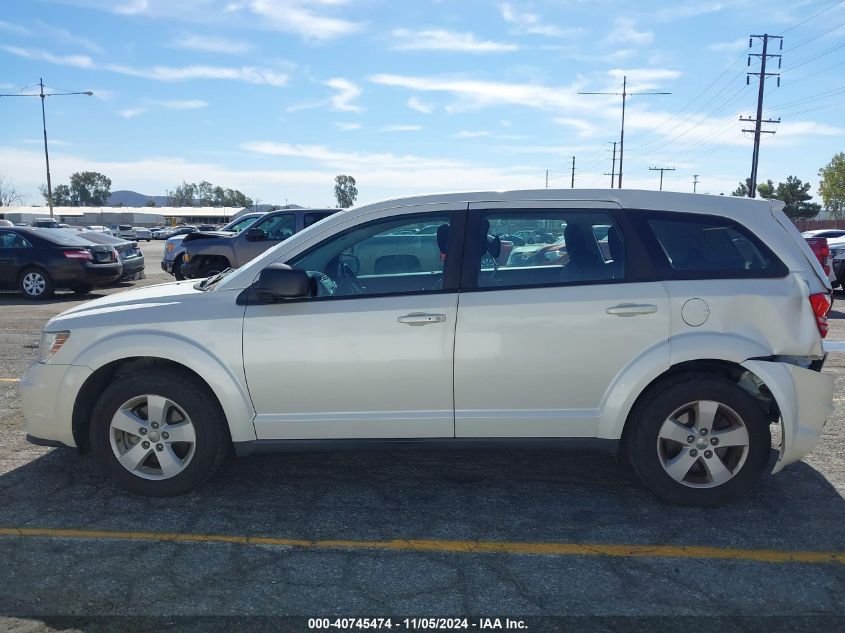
690 246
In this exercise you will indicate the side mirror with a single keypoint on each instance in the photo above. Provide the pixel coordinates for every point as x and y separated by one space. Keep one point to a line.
255 235
280 281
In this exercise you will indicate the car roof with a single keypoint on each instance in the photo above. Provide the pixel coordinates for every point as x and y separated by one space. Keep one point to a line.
624 198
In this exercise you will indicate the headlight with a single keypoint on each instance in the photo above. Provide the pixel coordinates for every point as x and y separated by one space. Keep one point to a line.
168 248
51 342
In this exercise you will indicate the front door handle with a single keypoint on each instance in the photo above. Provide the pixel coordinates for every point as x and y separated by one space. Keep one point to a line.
421 318
632 309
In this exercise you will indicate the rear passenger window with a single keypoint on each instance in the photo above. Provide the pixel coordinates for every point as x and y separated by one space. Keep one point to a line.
703 245
531 248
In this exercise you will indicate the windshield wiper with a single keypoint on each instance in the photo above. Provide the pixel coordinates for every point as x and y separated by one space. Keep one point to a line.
208 282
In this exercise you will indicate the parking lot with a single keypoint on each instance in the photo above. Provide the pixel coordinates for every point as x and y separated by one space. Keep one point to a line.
416 533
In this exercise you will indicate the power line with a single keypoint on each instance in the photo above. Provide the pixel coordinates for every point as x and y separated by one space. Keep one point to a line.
812 17
814 38
812 59
624 94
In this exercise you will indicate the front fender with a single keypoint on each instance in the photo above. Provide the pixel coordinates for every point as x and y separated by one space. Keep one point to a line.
227 385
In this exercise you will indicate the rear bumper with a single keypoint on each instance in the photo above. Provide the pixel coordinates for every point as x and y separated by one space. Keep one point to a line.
805 400
87 275
132 267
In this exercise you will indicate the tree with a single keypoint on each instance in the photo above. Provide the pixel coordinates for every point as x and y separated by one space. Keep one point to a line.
61 196
9 196
742 190
205 193
796 197
89 189
150 203
345 191
832 185
766 189
183 195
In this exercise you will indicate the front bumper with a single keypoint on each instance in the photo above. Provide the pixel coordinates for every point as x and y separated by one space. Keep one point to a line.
48 393
805 400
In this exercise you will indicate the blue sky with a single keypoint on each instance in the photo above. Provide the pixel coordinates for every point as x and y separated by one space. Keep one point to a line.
275 97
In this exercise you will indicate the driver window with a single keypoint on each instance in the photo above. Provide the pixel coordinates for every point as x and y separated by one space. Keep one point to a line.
403 254
278 227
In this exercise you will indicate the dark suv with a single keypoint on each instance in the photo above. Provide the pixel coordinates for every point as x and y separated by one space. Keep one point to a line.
207 254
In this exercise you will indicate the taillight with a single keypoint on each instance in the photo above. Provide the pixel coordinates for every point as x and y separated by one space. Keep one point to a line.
821 250
78 255
115 256
821 304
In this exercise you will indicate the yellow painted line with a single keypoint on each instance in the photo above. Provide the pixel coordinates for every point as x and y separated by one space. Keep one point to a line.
461 547
10 379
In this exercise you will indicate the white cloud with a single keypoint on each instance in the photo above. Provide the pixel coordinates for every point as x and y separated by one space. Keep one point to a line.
247 74
131 113
474 93
420 106
625 32
39 141
346 93
347 127
735 45
132 7
297 16
400 128
210 44
56 34
351 160
472 134
77 61
11 27
442 40
691 10
532 24
584 128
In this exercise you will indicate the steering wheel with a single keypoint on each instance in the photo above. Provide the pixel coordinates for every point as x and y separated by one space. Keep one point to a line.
347 282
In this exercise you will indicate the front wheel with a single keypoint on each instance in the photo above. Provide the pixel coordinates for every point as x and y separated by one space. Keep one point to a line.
34 283
158 432
177 270
699 440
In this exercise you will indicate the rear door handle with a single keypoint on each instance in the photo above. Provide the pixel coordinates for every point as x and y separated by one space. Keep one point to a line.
421 318
632 309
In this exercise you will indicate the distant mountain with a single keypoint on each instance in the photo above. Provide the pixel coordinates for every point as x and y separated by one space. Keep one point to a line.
134 199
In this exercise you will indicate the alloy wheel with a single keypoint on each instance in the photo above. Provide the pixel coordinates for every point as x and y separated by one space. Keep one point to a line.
703 444
34 284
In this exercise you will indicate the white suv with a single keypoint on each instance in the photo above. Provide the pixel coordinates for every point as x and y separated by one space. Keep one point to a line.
674 328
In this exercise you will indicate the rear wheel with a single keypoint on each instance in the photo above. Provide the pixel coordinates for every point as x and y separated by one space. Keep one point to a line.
699 440
158 433
35 283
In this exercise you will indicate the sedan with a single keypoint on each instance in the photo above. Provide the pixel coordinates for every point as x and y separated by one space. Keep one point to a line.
37 261
142 233
129 252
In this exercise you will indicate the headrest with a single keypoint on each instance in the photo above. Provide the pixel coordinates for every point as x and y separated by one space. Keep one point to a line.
489 243
443 233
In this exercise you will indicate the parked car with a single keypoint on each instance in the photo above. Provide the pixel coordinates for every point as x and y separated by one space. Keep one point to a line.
702 330
37 261
821 249
207 254
828 233
207 227
6 223
173 249
142 233
129 253
100 229
126 231
45 223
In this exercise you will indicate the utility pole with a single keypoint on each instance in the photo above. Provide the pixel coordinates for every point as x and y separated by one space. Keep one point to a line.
624 94
43 95
694 182
612 173
661 170
547 179
758 120
572 185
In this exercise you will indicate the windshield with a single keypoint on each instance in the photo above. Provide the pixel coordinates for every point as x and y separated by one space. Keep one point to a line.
240 224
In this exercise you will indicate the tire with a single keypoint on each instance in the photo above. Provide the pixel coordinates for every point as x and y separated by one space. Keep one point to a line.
177 271
122 433
694 468
82 290
35 283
